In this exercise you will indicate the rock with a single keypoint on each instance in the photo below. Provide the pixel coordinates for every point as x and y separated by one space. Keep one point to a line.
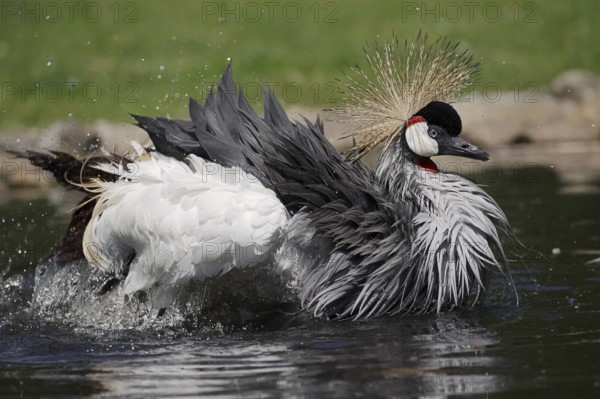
557 126
576 85
117 136
506 121
79 138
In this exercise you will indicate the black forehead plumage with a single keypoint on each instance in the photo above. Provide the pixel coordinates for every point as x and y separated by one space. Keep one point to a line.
443 115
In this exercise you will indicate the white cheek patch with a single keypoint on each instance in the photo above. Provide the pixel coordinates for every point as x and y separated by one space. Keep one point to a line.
418 138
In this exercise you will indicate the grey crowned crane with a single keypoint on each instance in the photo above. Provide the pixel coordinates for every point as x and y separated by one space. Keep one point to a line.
230 189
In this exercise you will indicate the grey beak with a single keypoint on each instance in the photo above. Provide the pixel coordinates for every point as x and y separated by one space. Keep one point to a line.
454 145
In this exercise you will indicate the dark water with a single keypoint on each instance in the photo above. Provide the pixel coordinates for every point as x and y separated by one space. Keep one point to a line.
547 346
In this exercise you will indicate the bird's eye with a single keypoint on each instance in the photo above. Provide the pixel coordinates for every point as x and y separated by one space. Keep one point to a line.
433 132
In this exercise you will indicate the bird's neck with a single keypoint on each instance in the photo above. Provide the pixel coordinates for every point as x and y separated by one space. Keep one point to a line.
400 171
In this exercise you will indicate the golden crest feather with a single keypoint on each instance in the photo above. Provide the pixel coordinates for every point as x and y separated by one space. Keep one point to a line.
399 81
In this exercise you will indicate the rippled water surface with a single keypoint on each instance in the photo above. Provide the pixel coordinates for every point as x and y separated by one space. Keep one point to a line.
547 346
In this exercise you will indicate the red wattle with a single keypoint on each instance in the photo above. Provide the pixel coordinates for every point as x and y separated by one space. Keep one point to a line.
427 164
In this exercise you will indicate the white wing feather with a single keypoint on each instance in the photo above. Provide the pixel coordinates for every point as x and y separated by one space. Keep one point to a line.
182 221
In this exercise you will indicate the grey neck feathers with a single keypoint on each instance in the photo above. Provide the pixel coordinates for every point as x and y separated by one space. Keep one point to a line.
457 227
395 169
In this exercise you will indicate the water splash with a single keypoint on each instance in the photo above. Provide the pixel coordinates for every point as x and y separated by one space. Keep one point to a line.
72 295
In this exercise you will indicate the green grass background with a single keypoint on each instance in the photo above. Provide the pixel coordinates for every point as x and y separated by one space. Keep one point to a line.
149 57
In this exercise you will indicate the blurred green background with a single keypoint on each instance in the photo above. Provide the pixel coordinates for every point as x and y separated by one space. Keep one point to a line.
85 60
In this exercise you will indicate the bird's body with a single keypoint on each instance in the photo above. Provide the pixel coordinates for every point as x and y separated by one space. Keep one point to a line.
230 189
